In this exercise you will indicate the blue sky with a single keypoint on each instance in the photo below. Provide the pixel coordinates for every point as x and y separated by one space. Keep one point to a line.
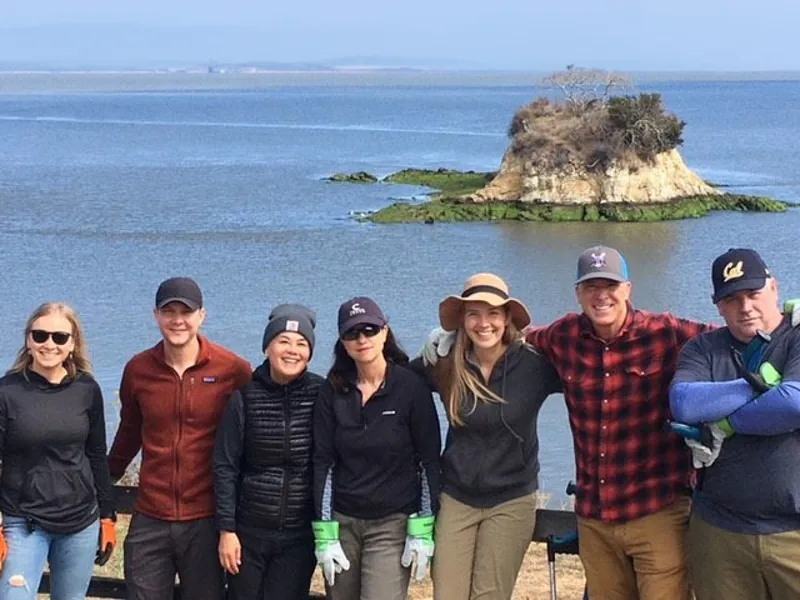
518 34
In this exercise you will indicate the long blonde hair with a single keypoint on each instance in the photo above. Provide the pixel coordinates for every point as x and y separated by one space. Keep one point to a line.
77 361
465 383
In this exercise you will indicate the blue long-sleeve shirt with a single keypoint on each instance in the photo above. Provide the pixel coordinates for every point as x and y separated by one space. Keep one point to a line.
754 485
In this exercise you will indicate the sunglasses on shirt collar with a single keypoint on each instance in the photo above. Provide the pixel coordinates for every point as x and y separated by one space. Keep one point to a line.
59 337
368 330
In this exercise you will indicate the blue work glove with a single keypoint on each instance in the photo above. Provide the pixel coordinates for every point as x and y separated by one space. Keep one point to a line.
419 545
439 344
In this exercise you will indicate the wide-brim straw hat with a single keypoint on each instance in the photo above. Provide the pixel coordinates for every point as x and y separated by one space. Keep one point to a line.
483 287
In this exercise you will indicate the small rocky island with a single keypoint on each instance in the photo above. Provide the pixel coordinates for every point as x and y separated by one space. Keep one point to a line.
589 157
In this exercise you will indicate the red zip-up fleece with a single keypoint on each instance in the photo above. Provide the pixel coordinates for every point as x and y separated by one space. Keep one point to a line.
174 420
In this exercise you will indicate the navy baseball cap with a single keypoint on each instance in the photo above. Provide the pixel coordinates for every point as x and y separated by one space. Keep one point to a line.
360 311
737 270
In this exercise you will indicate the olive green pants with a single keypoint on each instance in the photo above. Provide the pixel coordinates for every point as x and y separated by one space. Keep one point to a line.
479 551
739 566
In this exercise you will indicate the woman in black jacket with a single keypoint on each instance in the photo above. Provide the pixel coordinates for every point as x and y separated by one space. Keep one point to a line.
376 463
55 494
262 467
493 386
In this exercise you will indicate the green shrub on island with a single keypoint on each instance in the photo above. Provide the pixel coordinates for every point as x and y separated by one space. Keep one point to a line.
554 135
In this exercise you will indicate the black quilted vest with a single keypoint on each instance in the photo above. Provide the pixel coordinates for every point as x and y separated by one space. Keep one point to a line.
275 491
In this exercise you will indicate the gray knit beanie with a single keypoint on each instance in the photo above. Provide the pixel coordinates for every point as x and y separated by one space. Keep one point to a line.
290 317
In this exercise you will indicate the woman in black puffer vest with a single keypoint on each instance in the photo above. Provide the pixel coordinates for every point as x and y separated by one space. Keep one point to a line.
262 467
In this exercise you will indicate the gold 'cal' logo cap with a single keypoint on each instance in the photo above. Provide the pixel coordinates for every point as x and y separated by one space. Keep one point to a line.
739 269
732 271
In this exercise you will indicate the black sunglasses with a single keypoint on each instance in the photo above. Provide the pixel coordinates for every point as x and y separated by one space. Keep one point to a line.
354 333
59 337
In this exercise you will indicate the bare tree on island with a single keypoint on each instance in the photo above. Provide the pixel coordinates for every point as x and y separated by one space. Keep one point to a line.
582 87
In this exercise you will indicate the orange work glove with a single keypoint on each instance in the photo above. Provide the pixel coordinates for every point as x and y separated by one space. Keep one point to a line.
3 547
107 543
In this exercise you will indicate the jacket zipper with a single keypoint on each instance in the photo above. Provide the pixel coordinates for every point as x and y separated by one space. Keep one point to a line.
286 450
178 437
182 399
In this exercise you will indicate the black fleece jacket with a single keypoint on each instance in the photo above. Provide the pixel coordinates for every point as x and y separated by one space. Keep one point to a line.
53 446
494 456
379 458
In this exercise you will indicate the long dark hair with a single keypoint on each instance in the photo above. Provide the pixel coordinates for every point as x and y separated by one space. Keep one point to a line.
343 371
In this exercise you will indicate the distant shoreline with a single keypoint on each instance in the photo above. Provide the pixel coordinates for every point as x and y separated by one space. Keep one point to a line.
86 81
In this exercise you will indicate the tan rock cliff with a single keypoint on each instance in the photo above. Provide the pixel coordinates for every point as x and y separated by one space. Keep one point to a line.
665 178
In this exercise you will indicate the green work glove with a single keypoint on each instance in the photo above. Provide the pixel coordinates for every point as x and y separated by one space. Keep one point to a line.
769 377
792 308
419 544
328 550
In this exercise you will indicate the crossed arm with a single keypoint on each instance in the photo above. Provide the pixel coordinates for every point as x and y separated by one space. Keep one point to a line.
695 398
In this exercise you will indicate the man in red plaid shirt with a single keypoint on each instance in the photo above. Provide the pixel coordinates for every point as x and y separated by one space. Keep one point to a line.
632 500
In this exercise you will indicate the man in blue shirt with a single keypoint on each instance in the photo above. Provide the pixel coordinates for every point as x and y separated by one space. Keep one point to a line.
744 387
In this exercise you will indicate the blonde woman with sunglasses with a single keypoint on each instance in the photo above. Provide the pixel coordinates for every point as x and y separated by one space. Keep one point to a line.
55 493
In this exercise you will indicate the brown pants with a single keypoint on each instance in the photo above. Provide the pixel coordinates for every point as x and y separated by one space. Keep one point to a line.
479 551
644 558
374 548
738 566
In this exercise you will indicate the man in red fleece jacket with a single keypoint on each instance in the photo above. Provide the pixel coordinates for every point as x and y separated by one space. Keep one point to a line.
173 396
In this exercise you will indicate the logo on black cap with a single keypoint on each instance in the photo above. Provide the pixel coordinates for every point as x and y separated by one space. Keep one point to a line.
737 270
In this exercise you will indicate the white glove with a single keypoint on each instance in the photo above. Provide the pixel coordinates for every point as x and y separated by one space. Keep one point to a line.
420 551
332 560
702 455
439 344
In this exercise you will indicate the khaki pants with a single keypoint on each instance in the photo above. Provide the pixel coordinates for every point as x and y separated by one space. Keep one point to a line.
479 551
738 566
644 558
374 548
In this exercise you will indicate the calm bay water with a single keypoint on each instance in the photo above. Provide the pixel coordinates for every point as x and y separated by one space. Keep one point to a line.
103 195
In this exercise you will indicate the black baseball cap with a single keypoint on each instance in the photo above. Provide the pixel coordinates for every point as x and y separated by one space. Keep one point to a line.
736 270
179 289
360 311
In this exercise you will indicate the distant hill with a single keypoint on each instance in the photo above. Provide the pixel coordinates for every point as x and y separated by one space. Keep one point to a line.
122 46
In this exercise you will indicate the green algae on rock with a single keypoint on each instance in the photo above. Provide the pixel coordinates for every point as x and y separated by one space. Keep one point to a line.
449 209
357 177
448 182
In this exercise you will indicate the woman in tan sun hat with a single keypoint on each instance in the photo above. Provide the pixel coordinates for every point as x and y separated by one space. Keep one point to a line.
492 385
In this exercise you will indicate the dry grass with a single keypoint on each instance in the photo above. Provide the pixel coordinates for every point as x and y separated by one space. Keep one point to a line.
592 134
532 583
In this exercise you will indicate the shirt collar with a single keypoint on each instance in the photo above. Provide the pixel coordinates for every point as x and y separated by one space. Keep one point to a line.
202 356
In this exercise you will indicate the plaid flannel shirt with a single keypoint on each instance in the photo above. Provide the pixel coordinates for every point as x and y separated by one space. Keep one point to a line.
627 465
